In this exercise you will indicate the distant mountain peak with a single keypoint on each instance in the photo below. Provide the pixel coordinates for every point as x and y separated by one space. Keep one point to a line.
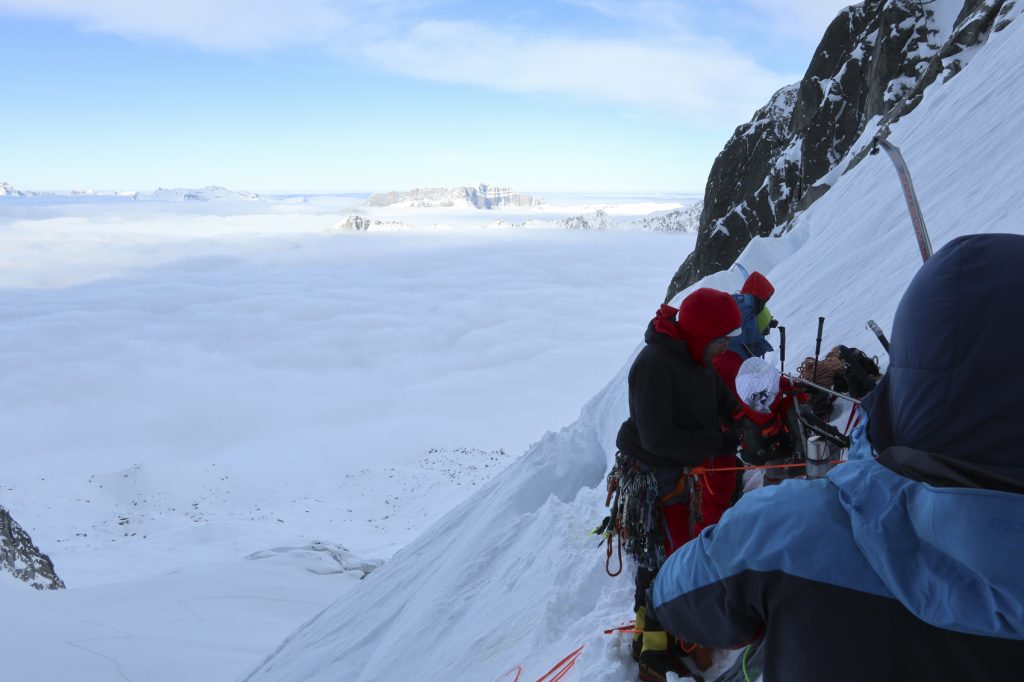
483 196
7 191
209 193
357 223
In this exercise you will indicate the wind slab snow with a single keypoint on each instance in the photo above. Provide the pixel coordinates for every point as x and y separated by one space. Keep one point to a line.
511 577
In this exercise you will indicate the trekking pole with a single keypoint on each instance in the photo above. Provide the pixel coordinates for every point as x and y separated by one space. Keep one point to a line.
817 347
805 382
782 349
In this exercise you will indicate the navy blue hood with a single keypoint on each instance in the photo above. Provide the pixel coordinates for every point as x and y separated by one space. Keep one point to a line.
954 380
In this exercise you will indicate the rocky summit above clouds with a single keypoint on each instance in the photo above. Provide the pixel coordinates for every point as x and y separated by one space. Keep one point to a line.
482 197
871 68
21 558
210 193
686 219
598 220
8 191
678 220
357 223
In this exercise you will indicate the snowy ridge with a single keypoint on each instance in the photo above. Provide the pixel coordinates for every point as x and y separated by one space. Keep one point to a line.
481 197
510 577
103 193
684 219
209 193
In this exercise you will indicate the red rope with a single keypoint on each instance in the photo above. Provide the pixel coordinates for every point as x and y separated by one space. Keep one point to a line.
518 670
558 670
853 413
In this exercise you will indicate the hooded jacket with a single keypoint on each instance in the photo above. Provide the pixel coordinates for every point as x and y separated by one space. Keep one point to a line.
677 404
752 341
904 567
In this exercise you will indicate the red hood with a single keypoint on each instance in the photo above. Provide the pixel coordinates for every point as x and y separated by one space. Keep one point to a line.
665 322
758 285
705 315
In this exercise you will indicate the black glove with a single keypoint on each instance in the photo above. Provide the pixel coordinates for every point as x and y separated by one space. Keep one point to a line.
773 324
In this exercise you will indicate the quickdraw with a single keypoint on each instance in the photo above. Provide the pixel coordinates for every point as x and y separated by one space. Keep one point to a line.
633 518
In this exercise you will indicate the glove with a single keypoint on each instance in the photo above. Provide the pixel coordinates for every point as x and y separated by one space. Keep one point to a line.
730 443
773 324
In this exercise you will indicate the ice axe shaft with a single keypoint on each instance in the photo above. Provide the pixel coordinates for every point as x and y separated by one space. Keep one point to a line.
924 242
873 326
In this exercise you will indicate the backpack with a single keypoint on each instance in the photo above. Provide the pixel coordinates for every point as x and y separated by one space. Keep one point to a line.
844 370
858 375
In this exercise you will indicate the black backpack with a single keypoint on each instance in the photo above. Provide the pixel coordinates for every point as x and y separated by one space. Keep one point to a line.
859 373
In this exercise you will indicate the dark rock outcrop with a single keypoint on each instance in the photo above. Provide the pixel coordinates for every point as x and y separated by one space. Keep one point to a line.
875 60
20 557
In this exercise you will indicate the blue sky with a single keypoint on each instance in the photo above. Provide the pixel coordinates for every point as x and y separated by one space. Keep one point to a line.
361 95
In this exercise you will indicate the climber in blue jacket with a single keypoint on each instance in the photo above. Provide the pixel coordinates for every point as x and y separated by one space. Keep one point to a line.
900 566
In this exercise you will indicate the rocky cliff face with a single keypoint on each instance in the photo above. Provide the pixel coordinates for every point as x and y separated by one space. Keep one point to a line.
871 67
20 557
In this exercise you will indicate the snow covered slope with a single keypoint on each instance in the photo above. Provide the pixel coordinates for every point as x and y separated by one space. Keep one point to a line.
511 577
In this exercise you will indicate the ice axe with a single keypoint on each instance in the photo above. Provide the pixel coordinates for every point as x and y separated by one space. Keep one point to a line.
873 326
924 242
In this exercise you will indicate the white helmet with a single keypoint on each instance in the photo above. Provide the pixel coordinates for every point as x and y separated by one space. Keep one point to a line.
757 384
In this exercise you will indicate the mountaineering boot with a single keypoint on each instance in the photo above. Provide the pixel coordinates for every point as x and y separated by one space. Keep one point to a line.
638 637
656 660
702 657
699 655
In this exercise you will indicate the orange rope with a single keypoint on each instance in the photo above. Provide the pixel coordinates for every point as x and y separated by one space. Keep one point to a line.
608 559
627 627
701 470
687 648
558 670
